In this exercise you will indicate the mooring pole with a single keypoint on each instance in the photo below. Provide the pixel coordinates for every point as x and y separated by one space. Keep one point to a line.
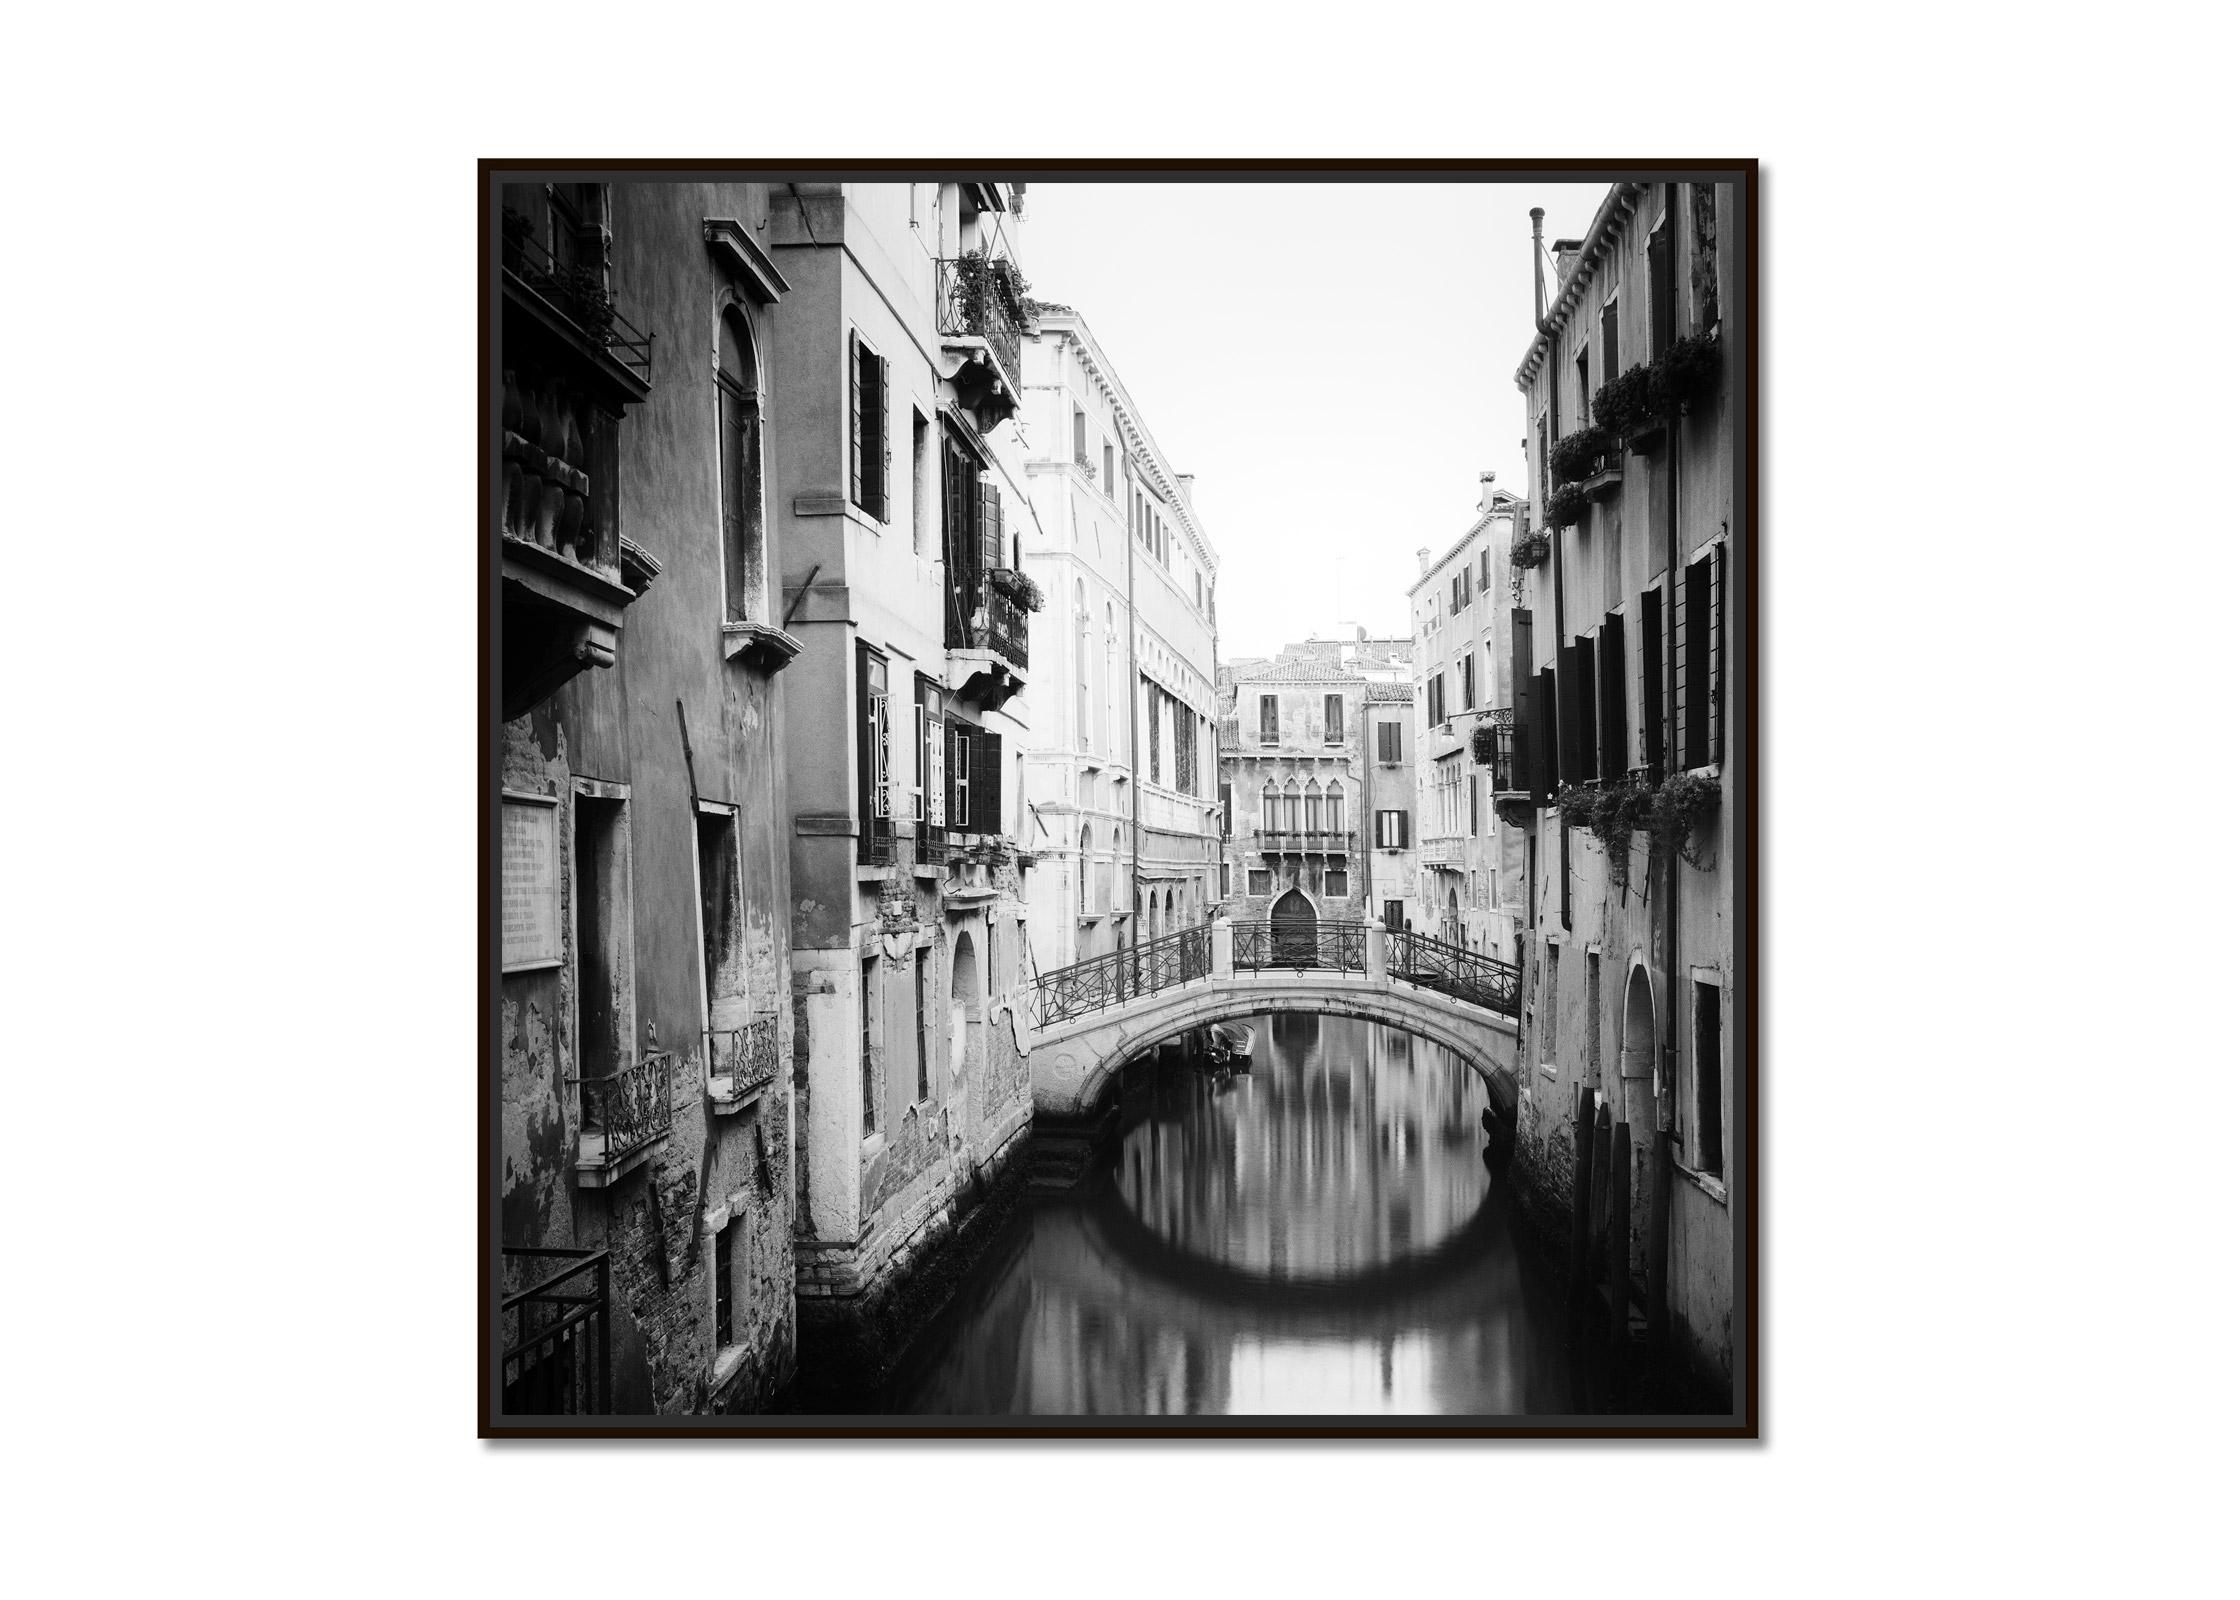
1582 1184
1660 1232
1621 1231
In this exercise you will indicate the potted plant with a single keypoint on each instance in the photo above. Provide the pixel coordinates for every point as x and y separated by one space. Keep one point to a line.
1678 807
1015 586
1580 455
1567 506
1529 551
1485 744
1691 371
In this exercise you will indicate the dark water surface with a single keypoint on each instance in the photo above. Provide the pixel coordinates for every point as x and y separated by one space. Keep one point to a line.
1321 1235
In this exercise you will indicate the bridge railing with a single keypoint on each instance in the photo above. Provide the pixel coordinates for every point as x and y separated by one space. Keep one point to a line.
1326 946
1434 964
1123 975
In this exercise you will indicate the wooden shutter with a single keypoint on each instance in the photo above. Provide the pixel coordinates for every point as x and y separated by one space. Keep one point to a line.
937 751
1485 569
1662 284
1695 683
883 452
1715 711
855 421
1545 738
987 782
1651 646
1520 697
1610 340
991 524
1403 830
1582 668
1611 676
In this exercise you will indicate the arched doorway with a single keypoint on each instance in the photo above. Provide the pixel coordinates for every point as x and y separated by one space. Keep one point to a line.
964 1007
1637 1056
1291 925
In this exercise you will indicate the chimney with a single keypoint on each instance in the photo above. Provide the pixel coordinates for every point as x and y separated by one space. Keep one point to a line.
1487 493
1539 289
1567 251
1423 561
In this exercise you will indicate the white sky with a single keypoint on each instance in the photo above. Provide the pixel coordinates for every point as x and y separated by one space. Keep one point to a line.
1334 363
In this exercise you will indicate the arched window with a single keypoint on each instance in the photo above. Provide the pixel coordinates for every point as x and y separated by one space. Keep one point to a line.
1334 808
1271 818
1314 807
739 442
1291 805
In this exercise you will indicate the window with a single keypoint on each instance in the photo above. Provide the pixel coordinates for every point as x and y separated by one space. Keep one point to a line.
928 796
869 999
602 950
1585 388
1291 805
1334 883
1594 1015
974 777
1228 815
1084 869
1610 333
1271 815
1388 743
1576 692
1548 1007
1392 830
1080 437
921 455
867 427
1256 879
874 816
739 467
1108 469
1333 719
1485 570
1394 914
1268 719
1652 683
1466 674
1710 1104
1697 670
1610 675
1435 698
1224 880
1663 286
1314 808
722 917
1334 807
530 853
1151 723
925 1037
724 1237
1470 781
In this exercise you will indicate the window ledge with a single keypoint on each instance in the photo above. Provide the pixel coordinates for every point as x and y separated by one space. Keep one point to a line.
1702 1180
759 645
730 1361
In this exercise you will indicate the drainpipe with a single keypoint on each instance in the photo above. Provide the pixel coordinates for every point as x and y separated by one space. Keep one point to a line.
1672 742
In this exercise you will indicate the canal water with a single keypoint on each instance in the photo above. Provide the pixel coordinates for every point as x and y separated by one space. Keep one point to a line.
1319 1234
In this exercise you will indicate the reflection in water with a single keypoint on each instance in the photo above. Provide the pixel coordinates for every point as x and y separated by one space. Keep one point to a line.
1319 1236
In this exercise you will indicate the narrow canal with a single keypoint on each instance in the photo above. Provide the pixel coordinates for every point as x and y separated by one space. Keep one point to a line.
1319 1234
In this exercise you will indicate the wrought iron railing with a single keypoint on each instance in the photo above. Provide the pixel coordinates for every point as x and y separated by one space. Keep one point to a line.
557 1352
1493 746
578 293
743 1061
629 1108
1005 631
1279 946
1430 963
1307 841
1125 974
970 301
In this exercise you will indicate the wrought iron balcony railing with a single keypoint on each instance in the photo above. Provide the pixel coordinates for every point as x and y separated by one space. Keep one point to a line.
997 622
1326 946
626 1110
1106 980
743 1062
971 300
556 1354
578 293
1431 963
1306 841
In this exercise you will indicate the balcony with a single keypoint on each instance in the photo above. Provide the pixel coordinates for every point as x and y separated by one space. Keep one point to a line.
571 364
556 1352
626 1116
1493 746
980 319
1306 841
742 1062
1440 852
988 648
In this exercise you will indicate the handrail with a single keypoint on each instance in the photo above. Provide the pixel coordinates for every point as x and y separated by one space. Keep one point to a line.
628 1107
1124 974
1449 969
563 1364
1326 946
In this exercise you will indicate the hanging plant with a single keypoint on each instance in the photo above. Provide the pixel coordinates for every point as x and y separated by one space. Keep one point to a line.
1568 505
1576 455
1629 402
1015 586
1691 370
1612 812
1529 551
979 279
1678 807
1485 744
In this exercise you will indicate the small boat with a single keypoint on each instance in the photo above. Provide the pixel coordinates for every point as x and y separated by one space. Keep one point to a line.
1229 1044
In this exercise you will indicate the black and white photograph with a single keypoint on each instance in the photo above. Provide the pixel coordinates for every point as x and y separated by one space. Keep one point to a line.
1092 823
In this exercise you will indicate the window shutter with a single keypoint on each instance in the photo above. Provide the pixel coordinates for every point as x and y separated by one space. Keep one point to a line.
991 525
987 782
855 421
1611 675
885 449
1610 341
1403 830
1716 706
1569 693
1485 569
1651 646
1544 737
1520 694
1700 623
937 780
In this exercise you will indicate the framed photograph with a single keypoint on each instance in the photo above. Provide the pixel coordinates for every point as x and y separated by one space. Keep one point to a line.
1118 798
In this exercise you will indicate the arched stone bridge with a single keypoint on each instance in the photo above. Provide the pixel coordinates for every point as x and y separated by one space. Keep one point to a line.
1082 1023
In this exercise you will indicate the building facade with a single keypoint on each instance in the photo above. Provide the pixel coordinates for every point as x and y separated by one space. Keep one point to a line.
1119 755
899 507
1389 801
1470 885
1293 791
1625 692
646 1114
